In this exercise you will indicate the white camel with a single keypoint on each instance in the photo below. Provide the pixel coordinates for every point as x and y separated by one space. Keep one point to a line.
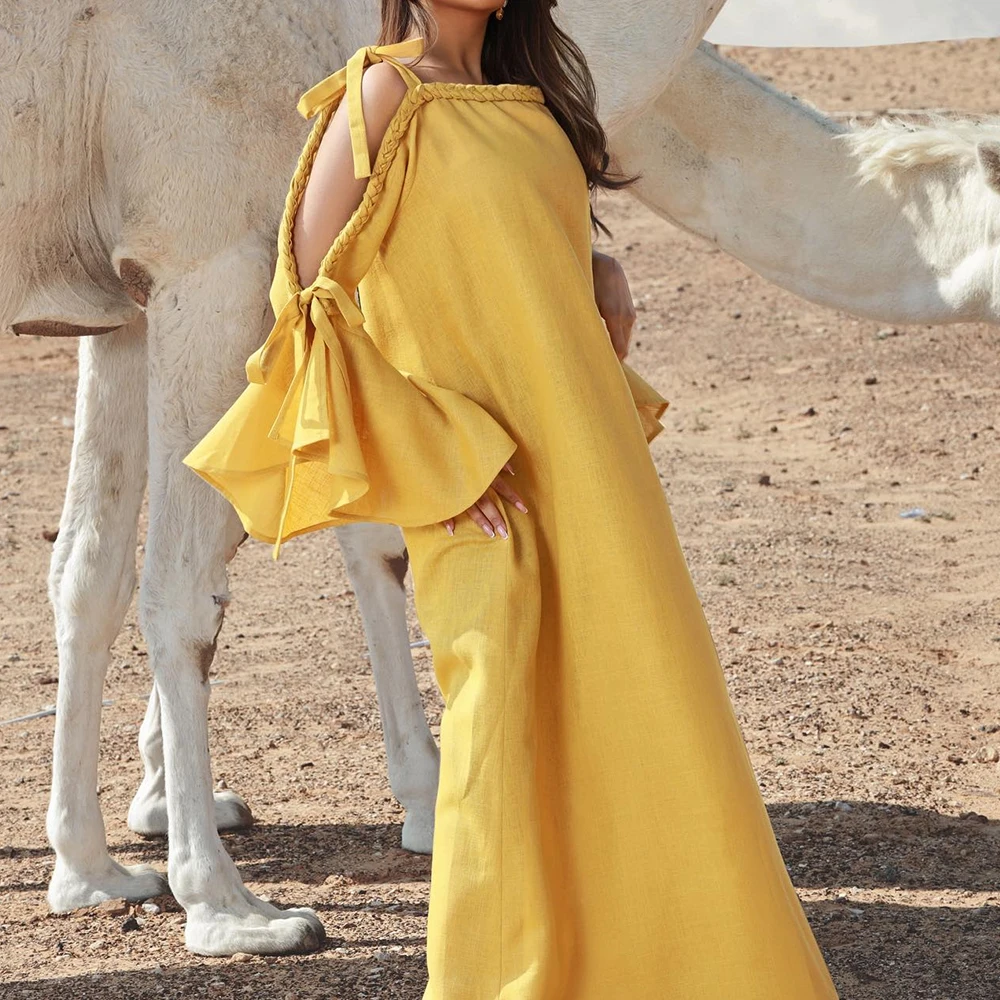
892 222
154 220
147 150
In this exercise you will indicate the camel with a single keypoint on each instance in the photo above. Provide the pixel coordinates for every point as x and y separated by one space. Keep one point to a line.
137 244
147 151
892 222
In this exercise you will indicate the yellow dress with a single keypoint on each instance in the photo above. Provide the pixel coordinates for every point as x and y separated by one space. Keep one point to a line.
599 831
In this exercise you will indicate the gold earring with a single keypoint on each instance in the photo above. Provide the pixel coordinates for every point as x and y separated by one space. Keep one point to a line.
500 10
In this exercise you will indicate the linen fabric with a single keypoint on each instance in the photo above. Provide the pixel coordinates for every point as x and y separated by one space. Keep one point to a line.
599 833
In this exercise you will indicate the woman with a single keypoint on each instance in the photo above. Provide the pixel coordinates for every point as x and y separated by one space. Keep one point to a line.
599 833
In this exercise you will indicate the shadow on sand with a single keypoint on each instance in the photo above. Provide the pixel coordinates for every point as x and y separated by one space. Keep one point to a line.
884 950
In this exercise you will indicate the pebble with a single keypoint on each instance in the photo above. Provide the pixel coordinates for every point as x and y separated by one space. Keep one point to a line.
113 908
150 908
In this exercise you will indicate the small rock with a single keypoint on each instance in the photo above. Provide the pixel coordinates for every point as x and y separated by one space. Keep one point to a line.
809 411
113 908
764 479
871 380
887 332
50 534
130 924
150 908
975 817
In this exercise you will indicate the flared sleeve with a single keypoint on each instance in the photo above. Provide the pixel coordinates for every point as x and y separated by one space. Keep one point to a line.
649 404
327 431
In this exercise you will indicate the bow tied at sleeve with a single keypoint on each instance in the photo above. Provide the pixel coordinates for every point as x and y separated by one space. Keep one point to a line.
328 432
309 305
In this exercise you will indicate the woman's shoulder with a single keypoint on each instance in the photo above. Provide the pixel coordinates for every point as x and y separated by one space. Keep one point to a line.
360 122
383 90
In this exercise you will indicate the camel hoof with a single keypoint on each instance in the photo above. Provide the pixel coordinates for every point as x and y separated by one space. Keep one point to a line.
265 931
147 815
418 831
231 811
72 890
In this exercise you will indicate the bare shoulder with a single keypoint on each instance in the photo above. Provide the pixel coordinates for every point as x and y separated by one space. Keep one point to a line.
332 191
382 92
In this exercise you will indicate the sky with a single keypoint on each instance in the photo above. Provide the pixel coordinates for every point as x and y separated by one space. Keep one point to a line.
852 22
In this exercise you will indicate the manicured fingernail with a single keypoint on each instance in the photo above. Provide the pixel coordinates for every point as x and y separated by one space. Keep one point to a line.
508 468
520 506
502 530
450 529
489 531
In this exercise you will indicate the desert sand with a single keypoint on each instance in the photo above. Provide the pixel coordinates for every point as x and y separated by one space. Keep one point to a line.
862 648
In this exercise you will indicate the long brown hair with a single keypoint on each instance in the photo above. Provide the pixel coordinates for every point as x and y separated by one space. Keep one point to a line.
527 46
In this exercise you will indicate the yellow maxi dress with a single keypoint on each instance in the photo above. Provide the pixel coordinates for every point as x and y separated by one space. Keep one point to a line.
599 831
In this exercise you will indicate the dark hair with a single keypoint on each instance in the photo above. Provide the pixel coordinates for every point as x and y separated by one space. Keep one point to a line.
527 46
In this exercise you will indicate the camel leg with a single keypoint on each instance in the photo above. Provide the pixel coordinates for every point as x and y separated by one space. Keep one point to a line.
147 815
91 579
376 563
201 329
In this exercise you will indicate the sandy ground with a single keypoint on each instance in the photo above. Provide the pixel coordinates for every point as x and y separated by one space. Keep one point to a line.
862 649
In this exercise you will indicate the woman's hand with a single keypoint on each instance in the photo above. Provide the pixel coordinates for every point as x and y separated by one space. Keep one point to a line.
614 301
484 511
